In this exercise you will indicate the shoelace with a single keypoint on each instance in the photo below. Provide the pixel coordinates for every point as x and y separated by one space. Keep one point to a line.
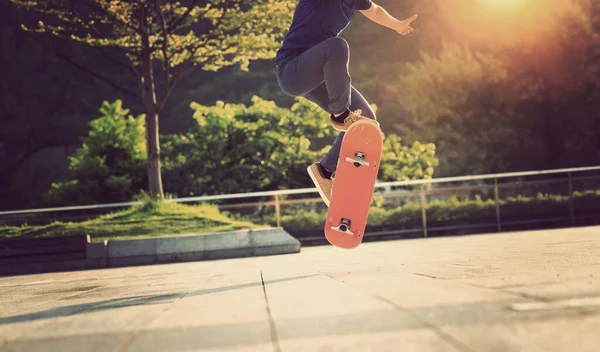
354 115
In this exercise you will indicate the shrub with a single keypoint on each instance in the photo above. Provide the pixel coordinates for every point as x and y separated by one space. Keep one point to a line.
110 165
453 210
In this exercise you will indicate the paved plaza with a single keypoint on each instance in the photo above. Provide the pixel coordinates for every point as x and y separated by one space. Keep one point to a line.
524 291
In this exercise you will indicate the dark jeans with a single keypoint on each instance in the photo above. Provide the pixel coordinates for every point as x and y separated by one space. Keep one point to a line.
320 74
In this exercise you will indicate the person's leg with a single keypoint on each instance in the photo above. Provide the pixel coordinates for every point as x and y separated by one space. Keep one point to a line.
358 102
326 65
321 74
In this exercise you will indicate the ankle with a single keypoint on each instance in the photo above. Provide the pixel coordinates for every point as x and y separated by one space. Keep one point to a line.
340 117
324 171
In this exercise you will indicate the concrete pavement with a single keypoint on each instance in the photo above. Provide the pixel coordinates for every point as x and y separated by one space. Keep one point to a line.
527 291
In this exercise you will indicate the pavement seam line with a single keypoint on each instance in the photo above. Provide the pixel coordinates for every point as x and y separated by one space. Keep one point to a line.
498 289
274 337
444 336
511 293
428 276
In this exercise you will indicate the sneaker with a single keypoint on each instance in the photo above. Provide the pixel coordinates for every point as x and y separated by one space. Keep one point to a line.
353 116
324 185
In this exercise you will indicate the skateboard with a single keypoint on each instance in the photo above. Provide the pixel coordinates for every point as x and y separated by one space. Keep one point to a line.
353 185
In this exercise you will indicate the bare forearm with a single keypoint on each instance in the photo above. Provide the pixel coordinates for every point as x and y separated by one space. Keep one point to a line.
382 17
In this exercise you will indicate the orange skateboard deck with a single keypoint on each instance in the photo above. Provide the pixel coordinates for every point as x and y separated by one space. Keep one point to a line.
353 184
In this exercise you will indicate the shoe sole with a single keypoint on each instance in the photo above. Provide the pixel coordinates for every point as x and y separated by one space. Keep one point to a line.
316 182
337 128
344 129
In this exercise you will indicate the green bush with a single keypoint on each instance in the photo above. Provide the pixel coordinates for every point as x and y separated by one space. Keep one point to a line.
110 165
453 210
232 148
514 208
400 163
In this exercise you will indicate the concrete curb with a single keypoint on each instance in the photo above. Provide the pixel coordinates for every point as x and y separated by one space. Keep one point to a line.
48 267
232 244
160 250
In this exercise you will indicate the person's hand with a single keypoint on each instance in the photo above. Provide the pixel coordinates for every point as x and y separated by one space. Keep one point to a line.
404 27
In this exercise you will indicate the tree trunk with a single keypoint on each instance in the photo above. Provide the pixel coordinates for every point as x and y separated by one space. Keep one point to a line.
153 146
151 107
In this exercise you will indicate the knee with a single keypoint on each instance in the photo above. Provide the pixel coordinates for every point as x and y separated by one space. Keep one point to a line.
338 46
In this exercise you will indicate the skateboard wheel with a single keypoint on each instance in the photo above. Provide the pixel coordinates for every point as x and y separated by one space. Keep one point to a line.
343 227
357 162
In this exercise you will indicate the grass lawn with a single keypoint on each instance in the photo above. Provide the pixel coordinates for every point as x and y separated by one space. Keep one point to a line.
151 219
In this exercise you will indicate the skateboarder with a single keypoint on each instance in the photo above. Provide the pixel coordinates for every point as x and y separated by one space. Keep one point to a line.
313 62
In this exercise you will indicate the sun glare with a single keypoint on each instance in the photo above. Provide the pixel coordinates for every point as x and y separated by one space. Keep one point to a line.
497 21
504 4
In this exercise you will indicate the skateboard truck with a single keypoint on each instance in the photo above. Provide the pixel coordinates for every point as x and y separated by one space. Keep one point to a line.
358 160
343 227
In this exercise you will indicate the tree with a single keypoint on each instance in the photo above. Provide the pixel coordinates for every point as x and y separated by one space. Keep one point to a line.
455 100
45 104
109 165
521 101
234 148
401 163
158 42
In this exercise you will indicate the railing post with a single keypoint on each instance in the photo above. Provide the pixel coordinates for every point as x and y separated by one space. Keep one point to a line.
497 201
423 210
277 211
571 205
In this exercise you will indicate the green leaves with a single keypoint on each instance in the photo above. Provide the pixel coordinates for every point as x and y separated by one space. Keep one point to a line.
117 129
455 100
401 163
519 103
233 148
209 34
110 164
213 34
237 148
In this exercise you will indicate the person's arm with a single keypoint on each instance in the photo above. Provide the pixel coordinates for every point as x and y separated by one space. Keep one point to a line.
380 16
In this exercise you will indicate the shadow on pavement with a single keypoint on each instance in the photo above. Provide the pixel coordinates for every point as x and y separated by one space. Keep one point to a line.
132 301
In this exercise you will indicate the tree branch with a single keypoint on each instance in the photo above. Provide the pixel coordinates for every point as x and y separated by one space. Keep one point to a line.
177 22
88 71
166 58
103 49
94 5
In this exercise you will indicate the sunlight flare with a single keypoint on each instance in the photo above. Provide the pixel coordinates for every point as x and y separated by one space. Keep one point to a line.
504 4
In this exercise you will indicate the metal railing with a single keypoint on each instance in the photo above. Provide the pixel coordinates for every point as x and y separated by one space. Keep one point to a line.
419 189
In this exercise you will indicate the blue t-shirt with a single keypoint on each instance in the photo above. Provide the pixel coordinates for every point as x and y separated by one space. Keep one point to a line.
315 21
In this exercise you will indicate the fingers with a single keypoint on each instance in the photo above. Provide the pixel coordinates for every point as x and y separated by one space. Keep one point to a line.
408 21
408 29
